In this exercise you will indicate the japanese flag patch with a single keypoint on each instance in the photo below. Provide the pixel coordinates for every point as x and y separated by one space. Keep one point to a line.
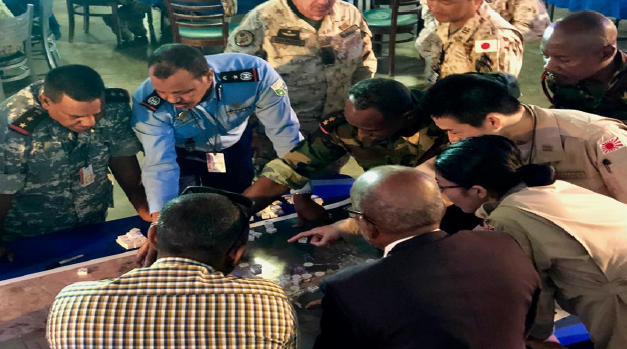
611 145
485 46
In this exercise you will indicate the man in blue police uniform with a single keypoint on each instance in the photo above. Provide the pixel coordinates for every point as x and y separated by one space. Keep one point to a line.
192 114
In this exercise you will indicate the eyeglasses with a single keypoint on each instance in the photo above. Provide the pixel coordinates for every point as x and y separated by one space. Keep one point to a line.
358 214
443 188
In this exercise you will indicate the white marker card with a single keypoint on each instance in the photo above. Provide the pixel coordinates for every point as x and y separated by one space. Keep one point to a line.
86 175
216 163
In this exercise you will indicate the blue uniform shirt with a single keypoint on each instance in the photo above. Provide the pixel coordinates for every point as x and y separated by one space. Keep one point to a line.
243 85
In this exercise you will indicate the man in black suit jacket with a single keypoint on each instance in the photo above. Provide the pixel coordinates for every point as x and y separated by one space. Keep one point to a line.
474 289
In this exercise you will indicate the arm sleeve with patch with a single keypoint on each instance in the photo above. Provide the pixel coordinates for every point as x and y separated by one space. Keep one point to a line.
160 172
369 63
501 52
275 112
13 148
248 37
608 151
118 112
313 154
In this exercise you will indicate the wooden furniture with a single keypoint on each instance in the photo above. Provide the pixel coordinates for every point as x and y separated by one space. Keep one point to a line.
82 8
199 23
16 31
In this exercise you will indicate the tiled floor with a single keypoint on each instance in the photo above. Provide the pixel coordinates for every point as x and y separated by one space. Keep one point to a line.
126 67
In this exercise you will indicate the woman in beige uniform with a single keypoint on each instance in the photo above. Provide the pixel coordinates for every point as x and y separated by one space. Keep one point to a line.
576 238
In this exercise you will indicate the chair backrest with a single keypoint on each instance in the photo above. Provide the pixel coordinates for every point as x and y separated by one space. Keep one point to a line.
44 12
362 5
17 30
197 14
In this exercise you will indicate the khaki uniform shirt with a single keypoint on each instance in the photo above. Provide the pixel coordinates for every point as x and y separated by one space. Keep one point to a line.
577 240
42 170
318 67
336 138
485 43
585 149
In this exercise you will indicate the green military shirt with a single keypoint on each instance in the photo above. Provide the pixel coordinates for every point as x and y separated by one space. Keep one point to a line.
40 162
593 97
336 137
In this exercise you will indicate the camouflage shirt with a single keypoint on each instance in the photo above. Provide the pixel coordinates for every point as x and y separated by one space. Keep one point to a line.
593 97
318 66
485 43
41 170
336 137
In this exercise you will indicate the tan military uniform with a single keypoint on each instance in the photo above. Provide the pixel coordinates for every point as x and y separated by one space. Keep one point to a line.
485 43
577 240
519 13
585 149
319 67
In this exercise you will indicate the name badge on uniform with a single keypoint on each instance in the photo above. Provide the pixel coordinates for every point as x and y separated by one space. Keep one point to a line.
348 31
86 175
216 163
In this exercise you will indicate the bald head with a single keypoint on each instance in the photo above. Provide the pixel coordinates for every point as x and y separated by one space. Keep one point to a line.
579 47
590 25
401 199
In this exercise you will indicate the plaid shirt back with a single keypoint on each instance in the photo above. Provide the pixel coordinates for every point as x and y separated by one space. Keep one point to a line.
175 303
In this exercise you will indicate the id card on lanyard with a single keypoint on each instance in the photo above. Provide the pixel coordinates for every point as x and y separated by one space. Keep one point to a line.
86 175
216 162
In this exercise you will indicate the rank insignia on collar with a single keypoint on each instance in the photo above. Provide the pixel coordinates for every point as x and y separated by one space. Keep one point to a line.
248 75
153 101
119 95
27 122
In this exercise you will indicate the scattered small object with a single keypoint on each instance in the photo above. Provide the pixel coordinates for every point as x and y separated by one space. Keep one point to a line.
243 265
319 273
313 289
294 288
307 277
132 239
302 240
308 264
256 269
82 271
270 230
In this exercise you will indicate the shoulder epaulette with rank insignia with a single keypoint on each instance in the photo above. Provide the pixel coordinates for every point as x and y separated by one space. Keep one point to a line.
27 122
332 121
248 75
117 95
153 101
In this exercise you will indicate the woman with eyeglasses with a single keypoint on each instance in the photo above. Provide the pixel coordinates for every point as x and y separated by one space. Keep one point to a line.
576 238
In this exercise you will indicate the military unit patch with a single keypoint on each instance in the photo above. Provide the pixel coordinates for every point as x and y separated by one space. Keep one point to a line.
153 101
244 38
117 95
279 88
27 122
248 75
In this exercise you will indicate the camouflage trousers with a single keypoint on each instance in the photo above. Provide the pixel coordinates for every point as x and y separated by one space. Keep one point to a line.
131 13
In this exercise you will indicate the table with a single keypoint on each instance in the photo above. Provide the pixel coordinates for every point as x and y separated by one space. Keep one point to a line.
28 286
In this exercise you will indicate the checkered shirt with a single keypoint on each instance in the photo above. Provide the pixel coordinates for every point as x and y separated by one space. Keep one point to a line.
175 303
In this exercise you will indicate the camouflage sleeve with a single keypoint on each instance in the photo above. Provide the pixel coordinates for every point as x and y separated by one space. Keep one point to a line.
369 61
12 157
608 152
311 155
506 57
525 12
123 139
248 37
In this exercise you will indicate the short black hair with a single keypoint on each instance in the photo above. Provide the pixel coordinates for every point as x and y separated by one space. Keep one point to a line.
170 58
490 161
201 223
79 82
468 99
388 96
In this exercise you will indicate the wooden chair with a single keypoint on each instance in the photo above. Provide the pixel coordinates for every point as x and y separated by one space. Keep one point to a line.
42 35
81 8
17 31
199 23
401 17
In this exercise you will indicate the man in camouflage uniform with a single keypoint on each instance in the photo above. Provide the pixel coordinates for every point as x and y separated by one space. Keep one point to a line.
473 38
57 143
319 47
584 68
380 125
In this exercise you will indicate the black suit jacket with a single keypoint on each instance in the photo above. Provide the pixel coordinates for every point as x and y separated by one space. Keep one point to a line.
474 289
